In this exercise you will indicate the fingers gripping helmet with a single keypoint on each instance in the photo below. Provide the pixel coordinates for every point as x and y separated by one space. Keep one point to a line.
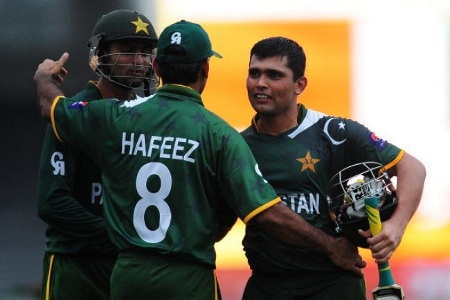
347 191
116 26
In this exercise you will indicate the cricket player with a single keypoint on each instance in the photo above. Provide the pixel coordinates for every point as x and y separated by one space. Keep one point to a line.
298 151
79 255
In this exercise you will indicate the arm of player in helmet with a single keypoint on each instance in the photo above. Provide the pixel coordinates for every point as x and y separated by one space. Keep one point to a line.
47 79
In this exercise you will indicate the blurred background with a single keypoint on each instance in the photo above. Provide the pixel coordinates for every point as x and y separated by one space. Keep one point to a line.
384 63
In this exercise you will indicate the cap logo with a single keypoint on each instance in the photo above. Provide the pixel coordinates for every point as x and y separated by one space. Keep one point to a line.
140 25
175 38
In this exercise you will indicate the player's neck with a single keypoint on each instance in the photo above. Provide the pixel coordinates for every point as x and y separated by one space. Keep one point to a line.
274 125
111 90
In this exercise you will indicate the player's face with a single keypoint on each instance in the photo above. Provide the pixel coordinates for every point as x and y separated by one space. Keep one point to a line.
271 87
130 61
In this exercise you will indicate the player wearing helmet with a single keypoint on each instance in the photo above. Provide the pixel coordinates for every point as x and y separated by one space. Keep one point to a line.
121 50
298 151
79 256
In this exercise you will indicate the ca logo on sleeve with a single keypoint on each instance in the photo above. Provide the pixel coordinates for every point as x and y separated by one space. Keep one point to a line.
58 164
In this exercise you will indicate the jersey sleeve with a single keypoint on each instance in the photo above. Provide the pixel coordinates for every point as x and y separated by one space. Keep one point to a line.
56 203
77 123
367 146
243 185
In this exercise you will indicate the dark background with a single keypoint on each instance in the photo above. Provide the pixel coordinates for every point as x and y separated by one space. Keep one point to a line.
31 31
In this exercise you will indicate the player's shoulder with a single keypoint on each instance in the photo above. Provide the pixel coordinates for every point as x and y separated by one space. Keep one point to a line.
248 131
89 93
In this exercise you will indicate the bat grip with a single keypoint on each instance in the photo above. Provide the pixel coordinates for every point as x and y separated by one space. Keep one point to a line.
373 214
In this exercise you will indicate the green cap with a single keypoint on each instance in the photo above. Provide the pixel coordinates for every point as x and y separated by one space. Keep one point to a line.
189 36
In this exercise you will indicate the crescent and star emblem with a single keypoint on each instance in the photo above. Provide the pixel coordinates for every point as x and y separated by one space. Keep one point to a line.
325 130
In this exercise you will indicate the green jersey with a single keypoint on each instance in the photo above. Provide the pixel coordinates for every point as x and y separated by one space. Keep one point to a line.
70 195
299 164
168 166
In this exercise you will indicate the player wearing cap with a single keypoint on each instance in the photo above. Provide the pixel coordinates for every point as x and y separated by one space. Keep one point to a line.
172 172
79 256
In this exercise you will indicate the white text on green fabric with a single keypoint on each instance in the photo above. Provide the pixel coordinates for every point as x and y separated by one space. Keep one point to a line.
299 202
163 146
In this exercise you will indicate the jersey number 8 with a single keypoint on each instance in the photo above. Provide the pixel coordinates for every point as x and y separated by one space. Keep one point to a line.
153 199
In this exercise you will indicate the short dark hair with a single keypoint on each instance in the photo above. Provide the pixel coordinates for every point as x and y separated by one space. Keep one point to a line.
178 73
280 47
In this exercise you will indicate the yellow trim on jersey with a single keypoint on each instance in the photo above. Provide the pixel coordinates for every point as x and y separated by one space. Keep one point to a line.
182 85
49 275
394 162
52 116
261 208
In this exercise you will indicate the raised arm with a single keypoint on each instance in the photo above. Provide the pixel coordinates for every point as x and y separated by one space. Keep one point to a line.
47 79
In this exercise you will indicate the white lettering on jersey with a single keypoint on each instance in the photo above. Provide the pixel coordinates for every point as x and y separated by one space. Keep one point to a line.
155 199
127 143
58 164
195 145
299 202
169 147
96 193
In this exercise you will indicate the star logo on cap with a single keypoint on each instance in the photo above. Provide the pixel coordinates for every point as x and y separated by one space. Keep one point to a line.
140 25
308 162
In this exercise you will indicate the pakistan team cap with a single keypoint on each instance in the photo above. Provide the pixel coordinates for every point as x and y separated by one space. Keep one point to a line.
189 36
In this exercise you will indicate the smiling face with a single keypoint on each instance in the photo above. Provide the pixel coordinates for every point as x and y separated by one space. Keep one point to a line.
271 88
128 61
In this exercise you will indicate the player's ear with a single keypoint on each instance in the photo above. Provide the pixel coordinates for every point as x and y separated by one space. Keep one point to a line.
301 83
155 66
205 69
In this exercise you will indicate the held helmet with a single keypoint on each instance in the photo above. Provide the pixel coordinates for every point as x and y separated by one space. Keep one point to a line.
347 191
121 25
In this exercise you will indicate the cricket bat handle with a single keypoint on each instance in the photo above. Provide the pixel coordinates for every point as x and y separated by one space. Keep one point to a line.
373 214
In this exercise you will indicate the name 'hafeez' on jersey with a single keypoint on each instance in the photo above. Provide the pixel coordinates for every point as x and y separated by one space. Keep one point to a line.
299 164
167 163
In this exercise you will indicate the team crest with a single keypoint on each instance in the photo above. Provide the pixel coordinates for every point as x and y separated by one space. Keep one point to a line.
308 162
140 25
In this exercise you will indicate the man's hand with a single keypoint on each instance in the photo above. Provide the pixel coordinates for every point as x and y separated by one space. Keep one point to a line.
53 69
48 77
346 256
383 245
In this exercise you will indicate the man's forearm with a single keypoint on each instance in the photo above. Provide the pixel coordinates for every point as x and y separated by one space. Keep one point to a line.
46 91
287 226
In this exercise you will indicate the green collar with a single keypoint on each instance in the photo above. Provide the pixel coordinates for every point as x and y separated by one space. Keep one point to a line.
180 92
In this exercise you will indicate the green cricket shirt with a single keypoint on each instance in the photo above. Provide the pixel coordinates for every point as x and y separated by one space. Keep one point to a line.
168 164
299 164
